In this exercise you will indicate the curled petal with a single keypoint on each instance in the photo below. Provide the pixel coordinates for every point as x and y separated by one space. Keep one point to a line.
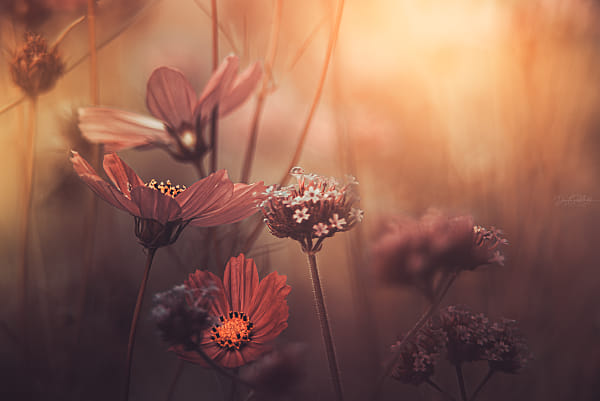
240 281
100 187
121 174
170 96
118 129
241 89
217 86
154 205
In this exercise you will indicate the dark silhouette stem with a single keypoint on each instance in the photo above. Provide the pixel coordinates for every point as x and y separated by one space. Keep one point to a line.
487 377
334 370
461 382
136 318
440 390
176 376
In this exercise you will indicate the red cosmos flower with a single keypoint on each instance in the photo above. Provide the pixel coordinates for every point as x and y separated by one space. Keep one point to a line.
180 114
163 210
249 314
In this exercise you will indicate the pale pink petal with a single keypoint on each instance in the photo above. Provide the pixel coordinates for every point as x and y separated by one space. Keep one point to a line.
240 281
118 129
217 86
100 187
206 195
121 174
155 205
241 89
242 204
170 97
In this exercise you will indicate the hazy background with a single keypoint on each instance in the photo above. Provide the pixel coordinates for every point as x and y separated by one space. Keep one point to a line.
485 107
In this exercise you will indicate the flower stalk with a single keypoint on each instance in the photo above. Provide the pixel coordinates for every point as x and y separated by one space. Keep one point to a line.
29 156
136 318
334 370
461 382
487 377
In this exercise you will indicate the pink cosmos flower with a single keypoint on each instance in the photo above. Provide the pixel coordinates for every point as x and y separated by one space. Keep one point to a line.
180 114
248 314
163 210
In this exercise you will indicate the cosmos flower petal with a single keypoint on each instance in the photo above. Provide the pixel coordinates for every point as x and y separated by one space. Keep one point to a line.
217 86
240 281
201 279
170 97
241 89
100 187
269 297
154 205
241 205
206 195
118 129
121 174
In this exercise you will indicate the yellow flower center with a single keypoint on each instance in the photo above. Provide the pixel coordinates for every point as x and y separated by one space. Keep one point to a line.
232 331
166 188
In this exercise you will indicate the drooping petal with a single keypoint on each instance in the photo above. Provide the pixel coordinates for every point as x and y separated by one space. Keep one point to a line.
170 96
241 89
206 195
240 281
121 174
100 187
118 129
242 204
269 303
201 280
155 205
219 84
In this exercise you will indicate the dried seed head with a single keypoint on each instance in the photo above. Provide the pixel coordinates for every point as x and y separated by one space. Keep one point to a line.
419 356
35 68
181 315
313 209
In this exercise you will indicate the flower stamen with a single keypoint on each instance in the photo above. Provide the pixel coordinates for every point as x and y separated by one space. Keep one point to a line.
232 331
166 188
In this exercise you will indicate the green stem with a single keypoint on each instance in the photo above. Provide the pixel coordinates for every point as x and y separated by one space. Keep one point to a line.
487 377
136 318
325 329
461 382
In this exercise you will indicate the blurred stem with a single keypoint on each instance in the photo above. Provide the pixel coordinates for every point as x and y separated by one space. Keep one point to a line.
461 382
330 47
224 31
487 377
199 166
435 303
136 318
12 104
262 95
214 128
440 390
324 323
222 370
215 34
25 220
176 376
66 31
91 15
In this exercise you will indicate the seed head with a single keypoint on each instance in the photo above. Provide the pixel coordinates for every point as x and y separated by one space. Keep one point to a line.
35 68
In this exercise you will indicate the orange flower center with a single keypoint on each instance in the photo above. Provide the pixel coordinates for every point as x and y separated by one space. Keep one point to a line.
232 331
166 188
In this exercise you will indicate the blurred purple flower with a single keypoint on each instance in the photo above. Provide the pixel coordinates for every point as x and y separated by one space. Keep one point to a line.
162 210
418 357
413 251
276 373
180 115
316 207
508 351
